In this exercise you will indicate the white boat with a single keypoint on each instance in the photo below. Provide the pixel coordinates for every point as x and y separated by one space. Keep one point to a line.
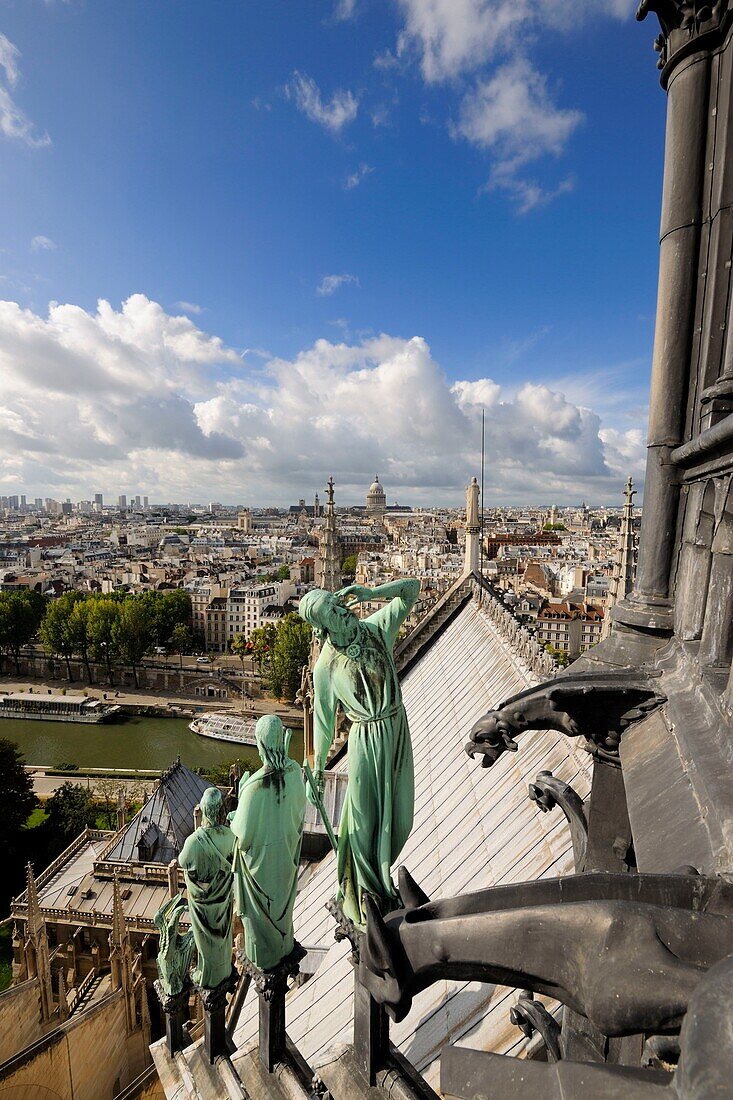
225 727
56 708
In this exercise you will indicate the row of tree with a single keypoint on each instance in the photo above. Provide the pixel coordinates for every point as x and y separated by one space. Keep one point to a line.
280 653
117 628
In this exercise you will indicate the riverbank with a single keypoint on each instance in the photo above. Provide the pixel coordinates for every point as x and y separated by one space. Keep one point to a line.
156 703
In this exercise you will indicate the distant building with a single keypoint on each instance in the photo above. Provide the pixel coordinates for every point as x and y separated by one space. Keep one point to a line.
376 499
572 628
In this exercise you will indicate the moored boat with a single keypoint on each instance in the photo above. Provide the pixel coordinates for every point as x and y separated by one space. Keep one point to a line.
56 708
225 727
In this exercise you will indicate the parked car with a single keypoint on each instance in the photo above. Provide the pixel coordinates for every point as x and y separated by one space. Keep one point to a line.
203 660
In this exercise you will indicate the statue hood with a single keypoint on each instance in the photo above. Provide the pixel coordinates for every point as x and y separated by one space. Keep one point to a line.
273 741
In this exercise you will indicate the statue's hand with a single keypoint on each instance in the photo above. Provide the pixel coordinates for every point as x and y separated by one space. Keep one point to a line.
320 784
353 594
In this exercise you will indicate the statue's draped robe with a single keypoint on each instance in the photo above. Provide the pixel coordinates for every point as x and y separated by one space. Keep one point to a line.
380 798
268 825
206 862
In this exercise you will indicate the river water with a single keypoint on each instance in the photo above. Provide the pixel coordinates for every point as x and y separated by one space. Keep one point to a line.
133 742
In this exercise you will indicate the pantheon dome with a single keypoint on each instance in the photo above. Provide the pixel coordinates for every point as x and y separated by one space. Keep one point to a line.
376 499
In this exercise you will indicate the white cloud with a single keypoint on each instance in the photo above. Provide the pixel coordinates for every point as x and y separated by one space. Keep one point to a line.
42 244
190 307
334 113
510 112
512 115
14 124
451 37
137 396
354 178
9 55
345 9
330 283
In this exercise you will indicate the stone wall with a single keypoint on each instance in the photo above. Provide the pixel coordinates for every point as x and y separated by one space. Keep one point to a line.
20 1018
87 1058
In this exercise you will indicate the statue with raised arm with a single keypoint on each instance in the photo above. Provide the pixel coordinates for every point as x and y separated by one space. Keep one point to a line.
268 830
206 860
356 671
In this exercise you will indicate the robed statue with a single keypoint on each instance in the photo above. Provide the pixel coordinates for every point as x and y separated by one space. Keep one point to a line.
356 671
268 830
206 860
175 948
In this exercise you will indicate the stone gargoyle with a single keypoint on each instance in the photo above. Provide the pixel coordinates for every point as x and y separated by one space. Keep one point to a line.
627 951
594 705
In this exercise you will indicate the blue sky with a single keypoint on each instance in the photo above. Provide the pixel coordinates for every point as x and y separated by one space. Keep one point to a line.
478 180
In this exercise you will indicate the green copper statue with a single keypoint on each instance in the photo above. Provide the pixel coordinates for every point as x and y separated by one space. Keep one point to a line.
206 860
356 670
268 826
174 949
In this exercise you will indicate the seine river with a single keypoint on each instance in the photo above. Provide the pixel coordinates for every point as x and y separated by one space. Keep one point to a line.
134 742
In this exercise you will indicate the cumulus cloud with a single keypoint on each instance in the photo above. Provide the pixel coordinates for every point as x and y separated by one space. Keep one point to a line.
512 114
333 113
451 37
105 387
329 284
42 244
136 396
14 124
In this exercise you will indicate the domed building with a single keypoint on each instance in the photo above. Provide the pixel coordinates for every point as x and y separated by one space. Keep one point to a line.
376 499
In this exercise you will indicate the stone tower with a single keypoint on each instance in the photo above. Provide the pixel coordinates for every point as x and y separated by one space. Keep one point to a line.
329 557
473 529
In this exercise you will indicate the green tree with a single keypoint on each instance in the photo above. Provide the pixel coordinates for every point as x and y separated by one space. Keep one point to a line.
56 638
561 656
78 630
16 791
283 573
20 618
218 774
18 801
348 565
290 653
181 641
240 647
167 610
103 614
70 810
133 632
262 641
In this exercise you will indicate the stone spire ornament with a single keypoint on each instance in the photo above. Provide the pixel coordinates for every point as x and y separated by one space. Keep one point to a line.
622 580
39 963
329 557
473 529
120 954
